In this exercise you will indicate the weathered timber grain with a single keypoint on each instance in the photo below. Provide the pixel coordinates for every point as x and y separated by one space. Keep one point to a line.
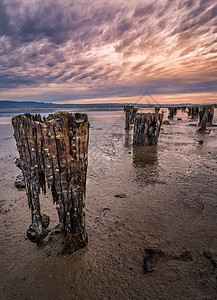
133 116
130 113
195 112
172 112
157 109
53 153
147 129
206 114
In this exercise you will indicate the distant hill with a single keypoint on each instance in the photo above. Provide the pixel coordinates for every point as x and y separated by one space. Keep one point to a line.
25 104
31 105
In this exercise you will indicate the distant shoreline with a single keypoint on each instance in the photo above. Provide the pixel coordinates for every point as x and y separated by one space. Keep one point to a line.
12 106
29 110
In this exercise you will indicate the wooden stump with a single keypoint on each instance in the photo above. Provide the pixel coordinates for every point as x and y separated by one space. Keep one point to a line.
210 115
157 110
133 116
189 111
172 112
206 114
193 112
53 153
147 129
130 113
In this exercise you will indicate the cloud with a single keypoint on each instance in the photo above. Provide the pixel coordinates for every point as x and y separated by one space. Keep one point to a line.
94 49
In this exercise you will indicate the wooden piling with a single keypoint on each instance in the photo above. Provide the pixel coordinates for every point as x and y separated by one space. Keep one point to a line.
53 153
193 111
172 112
206 114
147 129
210 115
157 109
130 113
133 116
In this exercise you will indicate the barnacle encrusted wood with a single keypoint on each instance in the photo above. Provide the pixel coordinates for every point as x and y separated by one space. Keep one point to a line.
147 129
53 153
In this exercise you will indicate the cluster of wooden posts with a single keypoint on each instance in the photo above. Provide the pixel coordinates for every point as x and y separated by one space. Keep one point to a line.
204 114
53 153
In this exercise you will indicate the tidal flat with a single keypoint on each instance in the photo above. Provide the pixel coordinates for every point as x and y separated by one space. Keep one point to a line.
150 214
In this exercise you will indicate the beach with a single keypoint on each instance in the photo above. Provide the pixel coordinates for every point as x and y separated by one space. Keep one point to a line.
150 216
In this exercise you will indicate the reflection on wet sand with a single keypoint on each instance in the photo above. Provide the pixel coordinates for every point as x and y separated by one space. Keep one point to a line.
145 157
145 163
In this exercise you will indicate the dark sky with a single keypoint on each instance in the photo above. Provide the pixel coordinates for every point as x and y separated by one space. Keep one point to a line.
95 51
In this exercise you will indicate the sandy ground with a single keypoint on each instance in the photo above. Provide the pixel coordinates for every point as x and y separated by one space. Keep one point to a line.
156 242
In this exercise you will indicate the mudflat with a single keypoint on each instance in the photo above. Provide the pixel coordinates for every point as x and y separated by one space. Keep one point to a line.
150 212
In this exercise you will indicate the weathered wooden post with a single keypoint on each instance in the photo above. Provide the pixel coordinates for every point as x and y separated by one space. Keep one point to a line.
194 112
53 152
130 112
157 109
206 114
147 129
172 112
189 111
210 115
202 118
135 109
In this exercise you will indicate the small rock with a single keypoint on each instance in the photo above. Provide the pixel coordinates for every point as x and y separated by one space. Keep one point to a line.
166 122
201 274
186 256
20 182
179 119
200 142
121 195
207 254
105 208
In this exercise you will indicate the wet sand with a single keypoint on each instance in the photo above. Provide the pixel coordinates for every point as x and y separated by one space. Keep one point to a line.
168 204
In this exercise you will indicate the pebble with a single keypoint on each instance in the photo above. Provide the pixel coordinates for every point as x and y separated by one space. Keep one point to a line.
121 195
207 254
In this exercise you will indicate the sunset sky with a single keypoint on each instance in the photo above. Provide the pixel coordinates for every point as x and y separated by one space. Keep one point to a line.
108 51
